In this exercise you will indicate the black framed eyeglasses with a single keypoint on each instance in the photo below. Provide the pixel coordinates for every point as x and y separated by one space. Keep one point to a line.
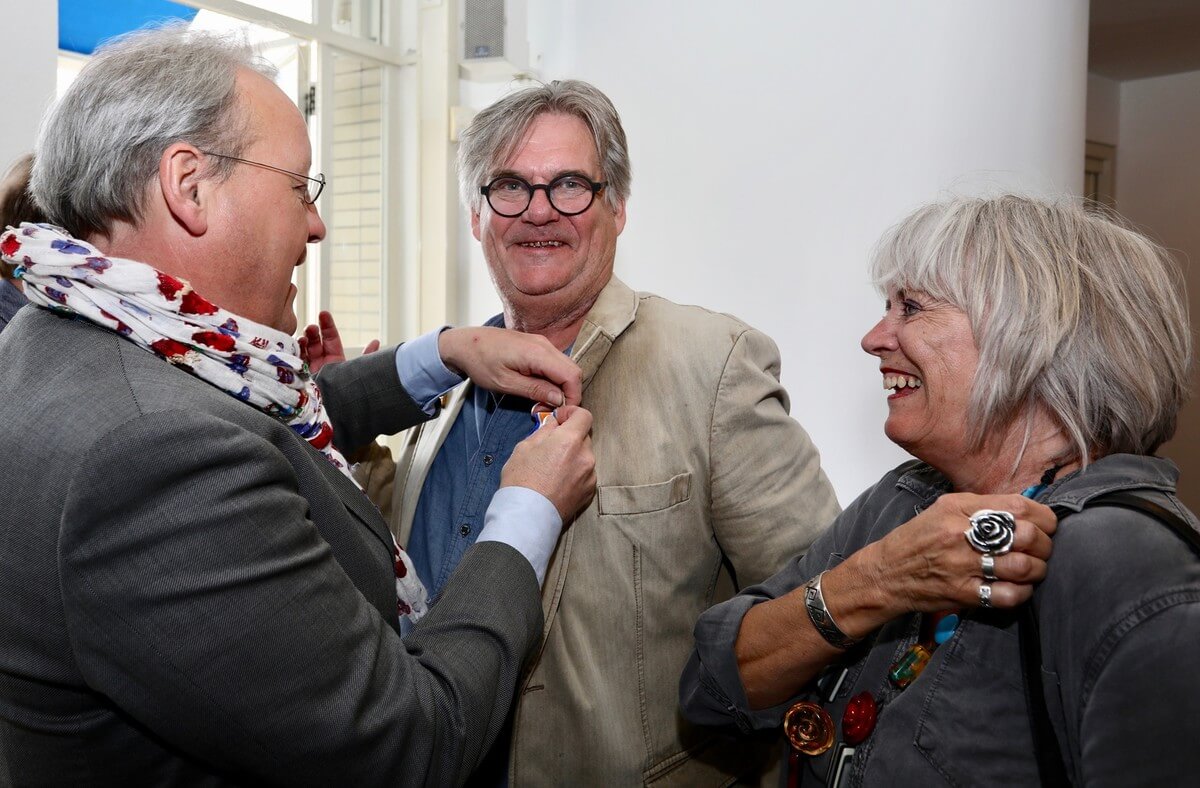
570 195
312 190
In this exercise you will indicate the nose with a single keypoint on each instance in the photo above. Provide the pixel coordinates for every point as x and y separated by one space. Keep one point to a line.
540 211
316 227
881 338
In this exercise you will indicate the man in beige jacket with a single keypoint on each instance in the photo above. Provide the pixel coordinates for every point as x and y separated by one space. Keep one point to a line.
705 482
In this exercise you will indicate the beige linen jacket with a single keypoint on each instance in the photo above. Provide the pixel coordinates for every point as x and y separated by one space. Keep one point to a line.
701 473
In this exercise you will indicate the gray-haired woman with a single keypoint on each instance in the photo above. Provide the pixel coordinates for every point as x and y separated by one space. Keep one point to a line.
1029 347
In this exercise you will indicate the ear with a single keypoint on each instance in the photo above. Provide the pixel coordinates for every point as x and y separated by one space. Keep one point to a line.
475 224
619 216
184 191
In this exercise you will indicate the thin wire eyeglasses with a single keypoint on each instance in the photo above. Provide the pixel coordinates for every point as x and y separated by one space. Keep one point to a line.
570 195
312 190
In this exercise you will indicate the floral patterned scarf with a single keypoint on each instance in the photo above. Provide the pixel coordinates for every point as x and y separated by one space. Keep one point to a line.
164 315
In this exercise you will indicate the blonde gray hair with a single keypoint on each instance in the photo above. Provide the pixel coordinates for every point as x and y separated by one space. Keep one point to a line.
494 134
99 146
1071 309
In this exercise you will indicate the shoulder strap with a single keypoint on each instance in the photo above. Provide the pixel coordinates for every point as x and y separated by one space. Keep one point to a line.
1161 513
1051 768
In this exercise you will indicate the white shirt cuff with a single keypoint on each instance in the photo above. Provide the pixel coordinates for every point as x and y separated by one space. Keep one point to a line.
525 520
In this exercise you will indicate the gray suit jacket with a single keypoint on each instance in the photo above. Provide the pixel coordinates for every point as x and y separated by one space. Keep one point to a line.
190 595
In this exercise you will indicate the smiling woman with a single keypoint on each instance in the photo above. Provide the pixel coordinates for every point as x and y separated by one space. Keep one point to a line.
1037 355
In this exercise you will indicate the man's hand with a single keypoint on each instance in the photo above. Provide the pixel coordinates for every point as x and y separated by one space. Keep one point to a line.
557 461
321 345
512 362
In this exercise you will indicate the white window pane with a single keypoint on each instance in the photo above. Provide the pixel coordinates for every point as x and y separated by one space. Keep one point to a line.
358 18
355 231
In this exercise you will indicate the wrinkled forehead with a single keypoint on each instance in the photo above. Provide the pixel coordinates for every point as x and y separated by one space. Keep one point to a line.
548 137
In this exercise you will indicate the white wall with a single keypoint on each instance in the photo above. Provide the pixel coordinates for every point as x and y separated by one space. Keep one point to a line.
1158 173
31 57
1103 109
773 142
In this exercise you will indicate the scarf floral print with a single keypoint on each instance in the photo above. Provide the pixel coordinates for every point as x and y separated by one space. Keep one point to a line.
164 315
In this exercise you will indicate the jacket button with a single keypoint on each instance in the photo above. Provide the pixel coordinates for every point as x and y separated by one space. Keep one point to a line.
464 529
488 459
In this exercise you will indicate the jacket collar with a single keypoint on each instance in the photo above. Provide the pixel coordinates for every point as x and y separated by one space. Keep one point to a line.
1107 474
614 311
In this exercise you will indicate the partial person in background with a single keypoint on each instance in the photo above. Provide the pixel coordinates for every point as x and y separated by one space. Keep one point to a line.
16 206
1018 606
193 590
702 473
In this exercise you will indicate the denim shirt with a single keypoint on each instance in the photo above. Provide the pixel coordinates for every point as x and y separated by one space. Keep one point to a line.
1119 624
461 482
463 478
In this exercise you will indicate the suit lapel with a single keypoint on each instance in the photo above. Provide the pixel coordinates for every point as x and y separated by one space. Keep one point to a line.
356 502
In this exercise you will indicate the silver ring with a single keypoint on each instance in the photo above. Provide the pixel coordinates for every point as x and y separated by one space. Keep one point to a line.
992 531
989 566
985 594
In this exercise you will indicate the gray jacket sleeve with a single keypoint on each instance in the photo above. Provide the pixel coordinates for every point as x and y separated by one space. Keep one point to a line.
710 689
203 602
364 399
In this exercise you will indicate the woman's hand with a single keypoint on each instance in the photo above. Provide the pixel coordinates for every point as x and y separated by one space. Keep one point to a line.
512 362
927 565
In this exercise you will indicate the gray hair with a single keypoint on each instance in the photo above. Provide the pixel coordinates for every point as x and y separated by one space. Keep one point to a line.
495 133
99 147
1072 311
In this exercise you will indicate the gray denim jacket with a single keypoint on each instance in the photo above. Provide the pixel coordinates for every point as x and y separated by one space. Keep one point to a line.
1119 617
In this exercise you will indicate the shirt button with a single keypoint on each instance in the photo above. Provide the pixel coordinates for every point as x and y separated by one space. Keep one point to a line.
488 459
464 529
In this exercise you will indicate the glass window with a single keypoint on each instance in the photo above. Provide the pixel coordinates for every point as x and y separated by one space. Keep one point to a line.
355 214
359 18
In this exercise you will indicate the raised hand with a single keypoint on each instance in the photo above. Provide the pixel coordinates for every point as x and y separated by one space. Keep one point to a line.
557 461
512 362
321 344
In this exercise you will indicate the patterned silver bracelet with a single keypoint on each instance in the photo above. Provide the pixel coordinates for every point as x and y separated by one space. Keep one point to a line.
814 602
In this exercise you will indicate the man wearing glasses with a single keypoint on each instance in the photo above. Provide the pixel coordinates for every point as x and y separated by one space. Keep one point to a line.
193 590
700 469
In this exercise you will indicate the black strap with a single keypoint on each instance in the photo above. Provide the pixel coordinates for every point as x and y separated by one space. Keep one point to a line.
1051 768
1161 513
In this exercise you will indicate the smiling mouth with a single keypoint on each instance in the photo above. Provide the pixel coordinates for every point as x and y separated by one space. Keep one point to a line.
541 244
901 385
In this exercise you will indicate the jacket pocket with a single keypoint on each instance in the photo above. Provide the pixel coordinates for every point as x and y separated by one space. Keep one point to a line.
642 498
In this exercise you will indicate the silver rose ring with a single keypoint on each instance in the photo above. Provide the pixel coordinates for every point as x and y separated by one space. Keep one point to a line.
992 531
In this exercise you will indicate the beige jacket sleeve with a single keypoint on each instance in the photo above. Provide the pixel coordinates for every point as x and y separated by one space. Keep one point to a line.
770 498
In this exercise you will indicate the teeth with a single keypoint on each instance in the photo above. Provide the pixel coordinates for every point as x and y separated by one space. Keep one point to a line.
541 244
901 381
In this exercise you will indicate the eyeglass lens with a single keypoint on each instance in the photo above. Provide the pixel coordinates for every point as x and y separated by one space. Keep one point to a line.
568 195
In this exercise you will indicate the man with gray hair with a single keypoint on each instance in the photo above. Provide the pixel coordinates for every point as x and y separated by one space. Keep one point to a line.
193 590
700 468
